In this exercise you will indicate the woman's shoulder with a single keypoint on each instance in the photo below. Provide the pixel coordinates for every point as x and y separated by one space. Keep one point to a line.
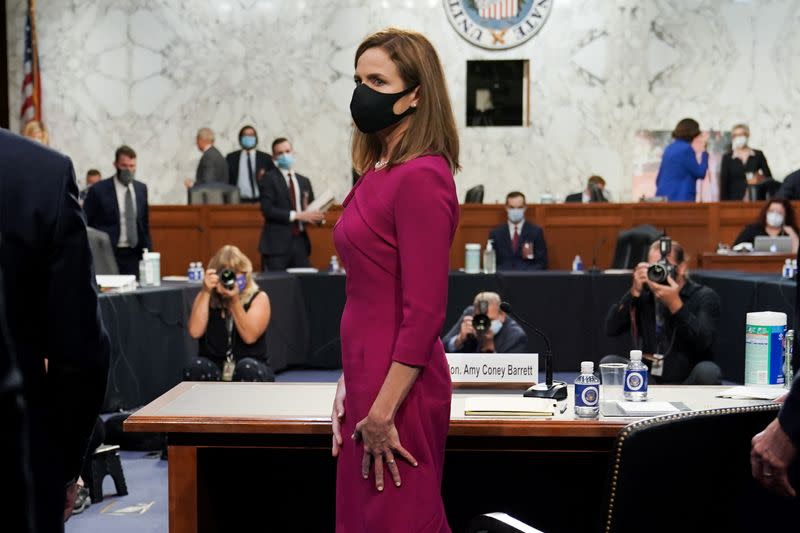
425 171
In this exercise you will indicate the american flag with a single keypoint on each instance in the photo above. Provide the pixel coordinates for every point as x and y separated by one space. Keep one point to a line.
498 9
31 85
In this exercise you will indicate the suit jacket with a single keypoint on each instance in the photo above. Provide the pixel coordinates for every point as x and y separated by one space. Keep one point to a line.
102 211
49 283
574 198
263 163
276 235
510 339
790 188
212 168
508 259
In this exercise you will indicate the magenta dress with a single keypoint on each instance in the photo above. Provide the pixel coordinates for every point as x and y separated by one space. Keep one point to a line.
394 239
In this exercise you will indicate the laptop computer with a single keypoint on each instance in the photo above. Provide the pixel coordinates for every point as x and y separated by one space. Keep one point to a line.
765 243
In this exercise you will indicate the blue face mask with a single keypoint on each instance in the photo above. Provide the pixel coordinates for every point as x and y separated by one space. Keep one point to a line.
285 161
496 326
241 282
248 142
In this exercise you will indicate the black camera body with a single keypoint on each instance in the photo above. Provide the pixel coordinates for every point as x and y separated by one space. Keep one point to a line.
227 278
660 271
481 322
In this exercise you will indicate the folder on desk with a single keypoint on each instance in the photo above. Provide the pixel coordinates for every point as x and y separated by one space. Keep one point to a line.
508 406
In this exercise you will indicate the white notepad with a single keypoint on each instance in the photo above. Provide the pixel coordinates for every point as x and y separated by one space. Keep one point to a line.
754 392
508 406
647 408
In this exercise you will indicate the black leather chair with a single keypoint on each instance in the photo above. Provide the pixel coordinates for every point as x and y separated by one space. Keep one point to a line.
687 472
475 195
633 245
102 252
214 193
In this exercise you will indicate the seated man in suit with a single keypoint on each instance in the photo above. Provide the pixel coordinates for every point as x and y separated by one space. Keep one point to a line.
595 191
247 167
519 244
118 206
503 336
285 195
212 167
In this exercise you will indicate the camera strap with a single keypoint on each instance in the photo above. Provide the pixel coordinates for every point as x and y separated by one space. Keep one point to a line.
229 366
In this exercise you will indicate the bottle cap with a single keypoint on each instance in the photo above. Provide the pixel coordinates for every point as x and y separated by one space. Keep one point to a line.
636 355
489 245
587 367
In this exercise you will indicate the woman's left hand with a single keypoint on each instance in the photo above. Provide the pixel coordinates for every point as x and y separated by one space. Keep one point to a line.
228 295
381 441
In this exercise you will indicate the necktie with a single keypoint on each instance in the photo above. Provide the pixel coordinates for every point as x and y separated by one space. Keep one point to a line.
254 191
515 240
293 202
130 219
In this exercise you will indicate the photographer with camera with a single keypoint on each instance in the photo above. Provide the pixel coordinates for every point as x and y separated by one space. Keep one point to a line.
229 318
484 328
672 319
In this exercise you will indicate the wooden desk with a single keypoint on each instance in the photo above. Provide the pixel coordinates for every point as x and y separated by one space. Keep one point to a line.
249 455
766 262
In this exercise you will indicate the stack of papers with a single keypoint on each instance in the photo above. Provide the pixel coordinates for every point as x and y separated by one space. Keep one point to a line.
754 392
508 406
116 283
323 202
647 408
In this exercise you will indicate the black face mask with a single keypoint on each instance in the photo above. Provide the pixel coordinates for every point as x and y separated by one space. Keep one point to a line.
372 111
125 176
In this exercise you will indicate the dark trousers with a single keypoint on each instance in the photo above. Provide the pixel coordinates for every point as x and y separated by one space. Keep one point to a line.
247 369
128 260
296 258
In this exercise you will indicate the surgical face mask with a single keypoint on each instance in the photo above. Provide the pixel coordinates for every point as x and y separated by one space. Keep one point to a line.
738 142
774 220
241 282
516 214
125 176
248 142
496 327
373 111
285 161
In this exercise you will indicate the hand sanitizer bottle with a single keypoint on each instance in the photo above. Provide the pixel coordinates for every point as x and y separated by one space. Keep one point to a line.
489 259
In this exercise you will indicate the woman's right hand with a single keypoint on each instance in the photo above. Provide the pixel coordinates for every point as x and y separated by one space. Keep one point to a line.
337 417
210 281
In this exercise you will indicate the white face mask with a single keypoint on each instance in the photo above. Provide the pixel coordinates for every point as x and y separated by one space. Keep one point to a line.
496 326
739 142
516 215
774 220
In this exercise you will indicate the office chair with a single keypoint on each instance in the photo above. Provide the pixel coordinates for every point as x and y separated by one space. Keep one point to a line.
214 193
687 472
633 245
474 195
105 263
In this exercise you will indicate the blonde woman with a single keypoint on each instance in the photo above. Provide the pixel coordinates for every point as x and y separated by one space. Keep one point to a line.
35 130
230 324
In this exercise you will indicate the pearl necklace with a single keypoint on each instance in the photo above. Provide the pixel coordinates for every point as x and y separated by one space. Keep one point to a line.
380 164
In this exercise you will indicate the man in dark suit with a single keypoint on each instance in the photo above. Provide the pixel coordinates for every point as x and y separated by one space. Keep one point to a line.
519 245
504 335
49 284
595 192
247 167
118 206
790 188
212 167
285 195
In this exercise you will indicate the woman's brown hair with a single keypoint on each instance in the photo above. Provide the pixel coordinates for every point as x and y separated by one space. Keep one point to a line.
788 220
686 130
432 128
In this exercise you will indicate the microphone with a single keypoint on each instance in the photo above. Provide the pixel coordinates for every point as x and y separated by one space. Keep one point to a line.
594 269
548 389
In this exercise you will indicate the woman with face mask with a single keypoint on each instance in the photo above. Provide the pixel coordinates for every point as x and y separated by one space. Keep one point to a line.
392 405
230 323
775 219
742 166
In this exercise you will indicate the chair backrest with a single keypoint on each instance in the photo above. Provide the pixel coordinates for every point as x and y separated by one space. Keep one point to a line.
474 195
102 253
690 472
633 245
214 193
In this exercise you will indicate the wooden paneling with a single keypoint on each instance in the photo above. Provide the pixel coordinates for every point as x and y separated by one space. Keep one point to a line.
193 233
769 263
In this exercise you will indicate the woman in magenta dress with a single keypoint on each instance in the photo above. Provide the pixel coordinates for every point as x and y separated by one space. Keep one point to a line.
392 408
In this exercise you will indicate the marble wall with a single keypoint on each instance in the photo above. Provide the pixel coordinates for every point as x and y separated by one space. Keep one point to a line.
149 73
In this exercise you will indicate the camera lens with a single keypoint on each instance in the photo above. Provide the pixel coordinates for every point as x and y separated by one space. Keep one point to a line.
657 273
228 278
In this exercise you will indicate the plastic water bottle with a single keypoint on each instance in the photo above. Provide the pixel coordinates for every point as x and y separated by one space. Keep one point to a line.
489 259
333 266
587 392
200 272
190 273
794 268
787 269
577 264
635 387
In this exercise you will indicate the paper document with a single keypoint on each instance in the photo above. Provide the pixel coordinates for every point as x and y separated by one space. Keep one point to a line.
508 406
120 283
753 392
647 408
323 202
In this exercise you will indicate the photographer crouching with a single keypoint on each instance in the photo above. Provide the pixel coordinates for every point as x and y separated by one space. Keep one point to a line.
672 319
229 318
484 328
